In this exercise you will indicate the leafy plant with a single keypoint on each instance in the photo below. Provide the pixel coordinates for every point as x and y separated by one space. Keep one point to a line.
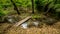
23 3
48 6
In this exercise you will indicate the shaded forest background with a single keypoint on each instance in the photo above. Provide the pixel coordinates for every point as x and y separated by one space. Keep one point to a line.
46 6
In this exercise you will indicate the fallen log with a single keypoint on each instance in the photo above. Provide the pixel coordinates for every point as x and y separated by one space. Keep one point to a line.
22 21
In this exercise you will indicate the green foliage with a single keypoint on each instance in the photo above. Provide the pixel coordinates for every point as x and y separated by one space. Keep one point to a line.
52 6
48 4
23 3
5 3
3 13
37 16
41 5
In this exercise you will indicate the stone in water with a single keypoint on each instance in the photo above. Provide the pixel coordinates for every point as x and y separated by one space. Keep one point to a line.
36 23
24 25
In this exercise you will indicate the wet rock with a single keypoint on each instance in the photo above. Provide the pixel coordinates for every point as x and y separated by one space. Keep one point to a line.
12 19
24 25
49 21
36 23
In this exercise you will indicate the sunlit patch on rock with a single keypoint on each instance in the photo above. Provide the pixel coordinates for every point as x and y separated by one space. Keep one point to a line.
36 23
24 25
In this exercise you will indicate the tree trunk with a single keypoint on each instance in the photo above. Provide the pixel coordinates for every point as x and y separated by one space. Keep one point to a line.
15 7
32 6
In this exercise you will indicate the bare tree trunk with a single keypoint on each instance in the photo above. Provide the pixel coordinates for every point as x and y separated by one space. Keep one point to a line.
15 7
32 6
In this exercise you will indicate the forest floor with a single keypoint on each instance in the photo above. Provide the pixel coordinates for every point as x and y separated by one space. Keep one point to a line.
53 29
45 29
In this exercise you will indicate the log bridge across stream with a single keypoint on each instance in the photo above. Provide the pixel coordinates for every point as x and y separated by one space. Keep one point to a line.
22 21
